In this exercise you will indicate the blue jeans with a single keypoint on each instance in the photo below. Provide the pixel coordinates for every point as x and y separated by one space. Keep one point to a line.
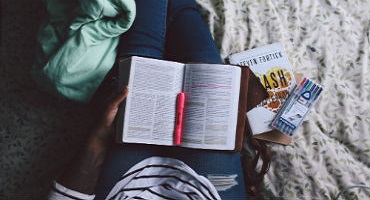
171 30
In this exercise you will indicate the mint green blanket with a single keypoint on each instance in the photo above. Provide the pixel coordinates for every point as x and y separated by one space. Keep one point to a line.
76 47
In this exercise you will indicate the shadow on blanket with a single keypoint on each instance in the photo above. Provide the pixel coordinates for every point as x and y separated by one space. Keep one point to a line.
38 134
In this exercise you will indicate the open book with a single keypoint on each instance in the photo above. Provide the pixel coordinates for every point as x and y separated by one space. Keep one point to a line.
215 104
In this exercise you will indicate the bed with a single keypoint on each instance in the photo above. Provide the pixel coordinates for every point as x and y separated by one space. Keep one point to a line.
326 40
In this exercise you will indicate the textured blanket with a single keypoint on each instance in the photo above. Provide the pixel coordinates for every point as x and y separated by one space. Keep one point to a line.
328 41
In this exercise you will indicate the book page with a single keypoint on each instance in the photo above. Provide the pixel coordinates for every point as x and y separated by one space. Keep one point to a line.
211 109
151 102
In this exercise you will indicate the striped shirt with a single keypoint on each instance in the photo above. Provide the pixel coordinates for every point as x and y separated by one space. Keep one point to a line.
154 178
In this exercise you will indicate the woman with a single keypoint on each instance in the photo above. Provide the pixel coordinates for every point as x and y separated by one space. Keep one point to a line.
163 29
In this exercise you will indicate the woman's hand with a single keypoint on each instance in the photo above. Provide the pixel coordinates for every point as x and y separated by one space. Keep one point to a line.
104 125
83 173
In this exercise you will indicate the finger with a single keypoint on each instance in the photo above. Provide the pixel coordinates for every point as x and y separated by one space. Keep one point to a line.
118 99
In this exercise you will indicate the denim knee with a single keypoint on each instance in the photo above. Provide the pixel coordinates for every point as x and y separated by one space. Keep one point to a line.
146 37
176 6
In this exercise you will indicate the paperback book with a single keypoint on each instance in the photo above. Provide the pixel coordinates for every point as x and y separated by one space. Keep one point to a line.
271 65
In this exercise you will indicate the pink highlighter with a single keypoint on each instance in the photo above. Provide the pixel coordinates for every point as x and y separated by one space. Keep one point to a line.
180 106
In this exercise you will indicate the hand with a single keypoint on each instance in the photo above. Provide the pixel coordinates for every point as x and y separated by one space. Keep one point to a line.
82 175
104 125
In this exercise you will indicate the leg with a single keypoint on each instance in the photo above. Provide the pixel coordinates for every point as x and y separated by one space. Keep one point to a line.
188 37
146 37
220 163
172 28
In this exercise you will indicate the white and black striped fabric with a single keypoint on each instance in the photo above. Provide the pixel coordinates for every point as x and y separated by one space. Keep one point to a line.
153 178
59 192
162 178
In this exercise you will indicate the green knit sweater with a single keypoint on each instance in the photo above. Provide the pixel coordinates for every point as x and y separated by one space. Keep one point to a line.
76 47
